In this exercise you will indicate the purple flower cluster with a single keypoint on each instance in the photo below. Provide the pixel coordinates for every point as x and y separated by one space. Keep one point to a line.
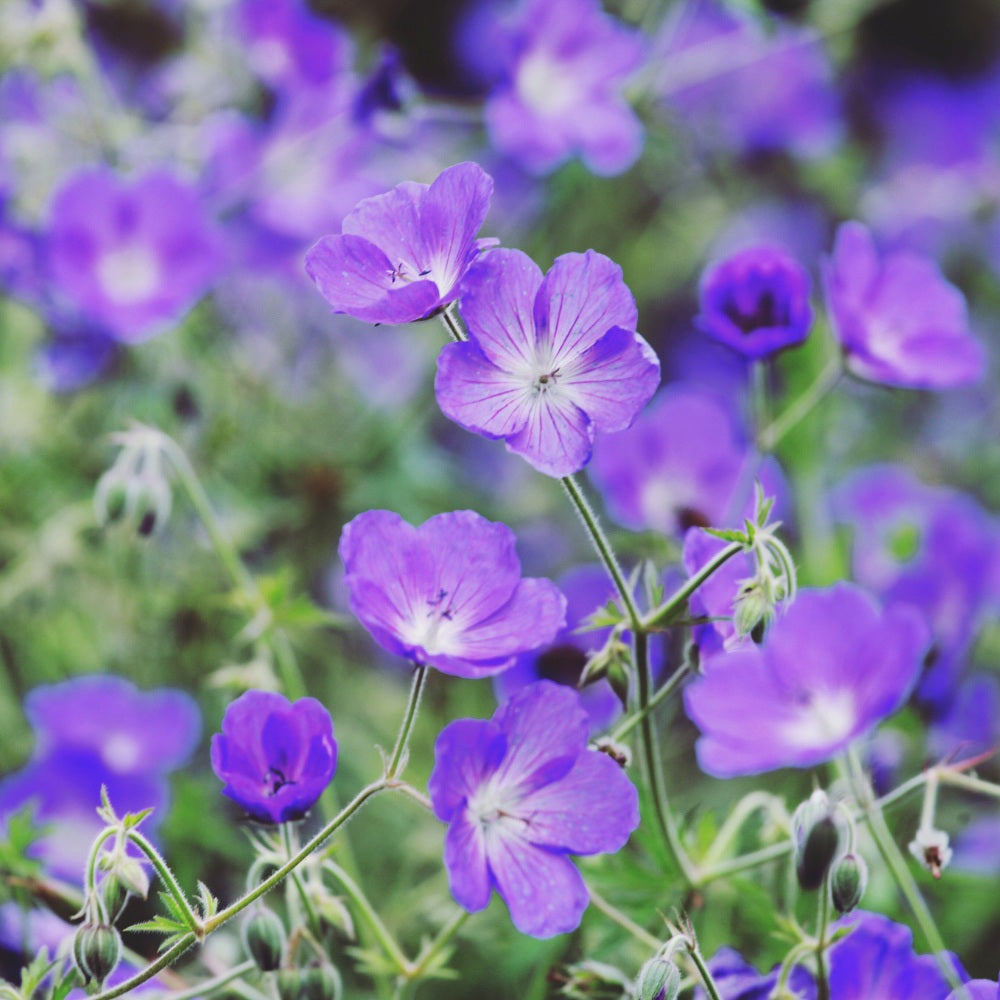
449 593
275 757
520 792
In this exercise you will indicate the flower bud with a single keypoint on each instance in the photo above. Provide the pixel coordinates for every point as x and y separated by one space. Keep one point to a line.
264 939
753 613
321 982
132 875
113 895
97 949
848 881
817 838
289 983
659 979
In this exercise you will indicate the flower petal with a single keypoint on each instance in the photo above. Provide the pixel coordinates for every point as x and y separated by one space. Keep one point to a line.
465 859
466 753
557 436
391 221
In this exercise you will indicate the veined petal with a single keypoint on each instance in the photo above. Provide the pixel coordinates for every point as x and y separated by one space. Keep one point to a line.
581 298
556 437
543 890
613 379
498 299
465 859
592 809
466 753
392 222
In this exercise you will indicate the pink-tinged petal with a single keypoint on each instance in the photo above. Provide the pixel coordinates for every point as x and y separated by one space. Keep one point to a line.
466 753
356 277
453 209
392 222
465 859
592 809
581 298
546 728
478 395
613 380
557 436
543 890
498 298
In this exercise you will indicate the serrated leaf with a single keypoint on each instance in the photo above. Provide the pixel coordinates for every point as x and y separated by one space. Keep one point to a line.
209 904
159 925
728 535
131 820
33 974
373 962
62 987
608 615
173 908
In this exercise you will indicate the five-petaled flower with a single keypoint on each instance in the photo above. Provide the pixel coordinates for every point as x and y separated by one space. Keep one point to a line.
449 593
519 793
275 757
401 255
549 360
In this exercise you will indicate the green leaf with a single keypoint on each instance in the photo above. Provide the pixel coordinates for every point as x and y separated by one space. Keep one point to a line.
159 925
728 535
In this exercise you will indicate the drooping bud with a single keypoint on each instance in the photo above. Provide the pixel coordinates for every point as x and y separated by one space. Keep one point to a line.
816 835
930 848
264 939
848 881
659 979
321 982
97 949
753 612
289 983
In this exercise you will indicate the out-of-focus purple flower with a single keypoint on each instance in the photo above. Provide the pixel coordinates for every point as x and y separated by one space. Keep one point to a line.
520 792
877 960
71 360
401 255
385 87
977 847
549 360
741 88
132 256
829 670
930 546
756 302
133 731
977 989
449 593
275 757
899 322
683 462
288 46
968 723
736 979
560 92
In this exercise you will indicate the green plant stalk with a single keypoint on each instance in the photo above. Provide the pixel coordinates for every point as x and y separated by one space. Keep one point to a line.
90 879
312 917
626 923
455 330
896 864
167 958
398 758
690 585
419 966
968 782
822 982
210 986
706 976
668 688
769 436
166 877
743 810
241 577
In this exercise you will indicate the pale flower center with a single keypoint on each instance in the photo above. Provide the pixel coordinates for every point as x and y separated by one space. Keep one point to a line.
435 630
543 85
129 274
825 718
269 57
121 752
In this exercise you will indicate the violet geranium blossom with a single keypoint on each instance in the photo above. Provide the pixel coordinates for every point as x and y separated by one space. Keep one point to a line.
275 757
549 360
401 255
519 793
756 302
449 593
830 669
898 320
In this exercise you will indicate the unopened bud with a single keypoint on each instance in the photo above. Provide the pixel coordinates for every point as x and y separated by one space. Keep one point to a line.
753 613
848 881
930 848
289 983
264 939
659 979
321 982
816 837
97 949
133 876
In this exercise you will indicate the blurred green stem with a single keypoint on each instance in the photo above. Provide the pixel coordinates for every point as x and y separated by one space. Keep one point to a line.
453 323
679 596
401 750
768 437
209 986
822 983
166 877
626 923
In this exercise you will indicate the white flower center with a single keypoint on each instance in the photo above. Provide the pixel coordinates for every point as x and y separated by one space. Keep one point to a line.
543 85
269 57
129 274
434 629
827 717
121 752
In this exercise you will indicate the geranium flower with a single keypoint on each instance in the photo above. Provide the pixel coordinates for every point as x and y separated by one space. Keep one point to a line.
401 255
520 792
756 302
449 593
830 669
275 757
898 320
549 360
133 256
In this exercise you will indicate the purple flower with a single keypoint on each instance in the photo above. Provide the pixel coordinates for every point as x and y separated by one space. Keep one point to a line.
401 255
736 979
561 91
756 302
829 670
549 360
276 757
449 593
898 320
685 462
131 256
519 793
977 989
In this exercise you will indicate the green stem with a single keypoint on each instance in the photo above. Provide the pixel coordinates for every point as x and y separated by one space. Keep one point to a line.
745 808
143 975
896 864
604 550
398 759
769 437
382 933
312 917
626 923
428 954
672 684
167 878
690 585
211 985
744 862
454 326
706 977
970 783
822 983
90 881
